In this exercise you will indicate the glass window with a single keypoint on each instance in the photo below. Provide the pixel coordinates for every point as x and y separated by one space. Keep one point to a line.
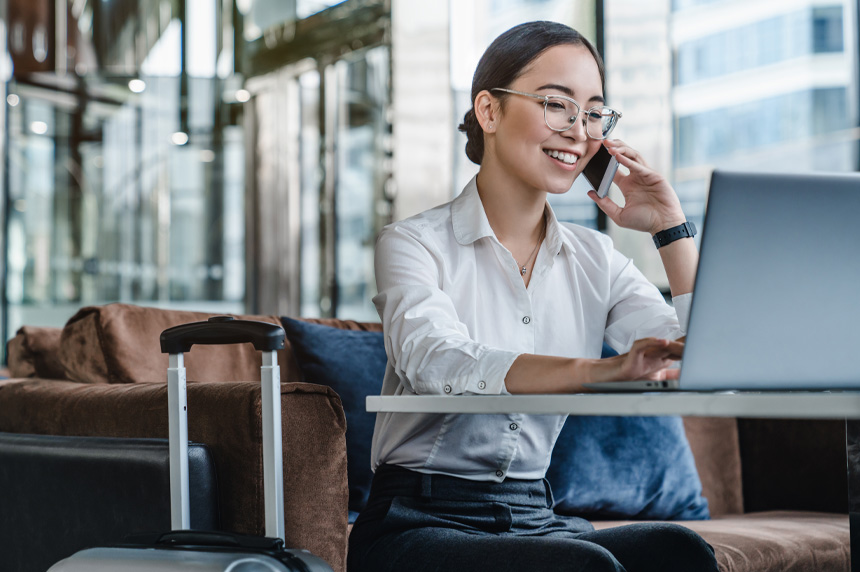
362 86
126 180
827 33
767 41
261 15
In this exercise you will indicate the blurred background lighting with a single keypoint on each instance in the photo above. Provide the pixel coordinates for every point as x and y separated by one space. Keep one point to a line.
137 85
12 99
243 95
39 127
179 138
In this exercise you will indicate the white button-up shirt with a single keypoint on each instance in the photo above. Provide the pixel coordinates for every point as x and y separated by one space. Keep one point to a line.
456 314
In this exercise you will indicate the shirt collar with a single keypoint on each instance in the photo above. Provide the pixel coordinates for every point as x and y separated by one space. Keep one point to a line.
470 222
468 216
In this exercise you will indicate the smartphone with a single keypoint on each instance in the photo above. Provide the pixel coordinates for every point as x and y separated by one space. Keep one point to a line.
600 171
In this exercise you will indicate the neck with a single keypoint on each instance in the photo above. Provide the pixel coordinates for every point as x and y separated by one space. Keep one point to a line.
515 213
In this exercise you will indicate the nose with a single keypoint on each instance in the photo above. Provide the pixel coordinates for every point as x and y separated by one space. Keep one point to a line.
577 131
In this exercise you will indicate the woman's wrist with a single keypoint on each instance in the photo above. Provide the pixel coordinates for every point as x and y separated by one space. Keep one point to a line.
596 371
668 223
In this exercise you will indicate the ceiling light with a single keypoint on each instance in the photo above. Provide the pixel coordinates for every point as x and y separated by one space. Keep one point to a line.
179 138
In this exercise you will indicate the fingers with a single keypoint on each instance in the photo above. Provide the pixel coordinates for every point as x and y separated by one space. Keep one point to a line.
650 358
622 150
657 348
635 166
607 205
671 374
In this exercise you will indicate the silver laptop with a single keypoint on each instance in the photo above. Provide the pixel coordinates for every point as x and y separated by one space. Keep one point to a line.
777 294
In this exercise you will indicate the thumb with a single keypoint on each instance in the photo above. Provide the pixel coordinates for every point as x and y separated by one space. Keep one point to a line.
607 205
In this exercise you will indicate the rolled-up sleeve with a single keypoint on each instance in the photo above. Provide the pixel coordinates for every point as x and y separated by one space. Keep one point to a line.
427 345
638 310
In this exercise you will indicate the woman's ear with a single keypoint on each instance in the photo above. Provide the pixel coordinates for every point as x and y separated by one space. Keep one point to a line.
487 111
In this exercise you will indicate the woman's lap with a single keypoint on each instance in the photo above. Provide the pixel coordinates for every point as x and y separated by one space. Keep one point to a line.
645 547
437 550
451 526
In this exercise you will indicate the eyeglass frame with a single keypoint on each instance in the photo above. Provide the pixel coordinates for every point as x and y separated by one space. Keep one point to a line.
546 99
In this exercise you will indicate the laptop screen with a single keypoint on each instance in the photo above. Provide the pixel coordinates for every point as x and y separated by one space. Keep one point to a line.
777 295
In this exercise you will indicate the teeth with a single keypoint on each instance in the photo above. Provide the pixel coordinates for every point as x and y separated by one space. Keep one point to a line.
568 158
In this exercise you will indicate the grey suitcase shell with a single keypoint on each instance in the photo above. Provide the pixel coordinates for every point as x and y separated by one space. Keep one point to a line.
184 549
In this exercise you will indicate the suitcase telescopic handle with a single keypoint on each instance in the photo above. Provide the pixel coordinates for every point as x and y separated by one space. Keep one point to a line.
220 330
267 338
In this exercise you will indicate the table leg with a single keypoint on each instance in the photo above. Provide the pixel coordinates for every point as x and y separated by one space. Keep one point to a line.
852 432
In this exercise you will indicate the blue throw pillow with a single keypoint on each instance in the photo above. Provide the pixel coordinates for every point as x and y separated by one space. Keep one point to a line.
351 362
626 468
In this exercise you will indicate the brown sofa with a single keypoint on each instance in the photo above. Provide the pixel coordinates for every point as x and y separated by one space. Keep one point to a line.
776 489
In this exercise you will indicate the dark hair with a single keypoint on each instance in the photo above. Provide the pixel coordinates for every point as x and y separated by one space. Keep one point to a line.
506 59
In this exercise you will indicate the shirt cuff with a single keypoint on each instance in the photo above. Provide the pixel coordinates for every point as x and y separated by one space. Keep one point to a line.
495 366
682 305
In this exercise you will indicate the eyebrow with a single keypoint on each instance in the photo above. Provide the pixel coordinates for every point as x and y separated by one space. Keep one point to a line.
569 92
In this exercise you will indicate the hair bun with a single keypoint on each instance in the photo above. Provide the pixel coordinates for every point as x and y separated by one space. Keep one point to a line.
475 137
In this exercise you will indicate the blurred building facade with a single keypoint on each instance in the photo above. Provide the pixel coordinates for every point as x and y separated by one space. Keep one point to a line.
762 85
242 155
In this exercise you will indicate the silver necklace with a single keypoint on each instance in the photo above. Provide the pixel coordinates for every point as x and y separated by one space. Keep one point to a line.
523 269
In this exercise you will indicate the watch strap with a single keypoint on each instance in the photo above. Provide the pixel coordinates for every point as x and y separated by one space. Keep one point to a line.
670 235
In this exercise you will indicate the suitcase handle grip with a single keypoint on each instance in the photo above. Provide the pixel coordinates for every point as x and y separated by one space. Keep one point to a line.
214 538
221 330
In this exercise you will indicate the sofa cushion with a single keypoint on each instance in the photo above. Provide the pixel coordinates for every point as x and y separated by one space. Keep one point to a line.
119 343
714 442
775 541
34 352
625 467
352 363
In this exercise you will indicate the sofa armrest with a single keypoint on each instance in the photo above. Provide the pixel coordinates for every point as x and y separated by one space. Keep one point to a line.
793 465
226 417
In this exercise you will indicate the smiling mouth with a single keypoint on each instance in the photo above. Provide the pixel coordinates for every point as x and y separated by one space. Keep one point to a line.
566 158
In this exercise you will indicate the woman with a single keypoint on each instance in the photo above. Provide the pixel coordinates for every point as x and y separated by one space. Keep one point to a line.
490 294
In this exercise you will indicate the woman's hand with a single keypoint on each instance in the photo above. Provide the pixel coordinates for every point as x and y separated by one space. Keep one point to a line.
649 358
651 204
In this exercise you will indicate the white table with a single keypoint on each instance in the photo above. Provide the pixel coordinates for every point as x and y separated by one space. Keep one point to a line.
784 404
779 405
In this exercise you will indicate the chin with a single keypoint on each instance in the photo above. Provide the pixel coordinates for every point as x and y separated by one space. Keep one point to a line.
560 185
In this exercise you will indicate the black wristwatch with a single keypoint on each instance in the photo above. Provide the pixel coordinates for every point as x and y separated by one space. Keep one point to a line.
670 235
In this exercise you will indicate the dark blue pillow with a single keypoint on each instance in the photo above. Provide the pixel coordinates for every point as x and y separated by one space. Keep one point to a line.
626 468
351 362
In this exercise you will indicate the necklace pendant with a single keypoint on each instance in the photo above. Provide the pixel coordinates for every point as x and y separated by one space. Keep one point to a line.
523 270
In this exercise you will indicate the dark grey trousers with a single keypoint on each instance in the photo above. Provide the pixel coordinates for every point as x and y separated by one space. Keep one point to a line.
422 523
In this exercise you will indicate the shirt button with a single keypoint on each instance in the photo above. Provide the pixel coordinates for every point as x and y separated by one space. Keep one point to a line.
526 319
447 389
482 385
514 426
500 473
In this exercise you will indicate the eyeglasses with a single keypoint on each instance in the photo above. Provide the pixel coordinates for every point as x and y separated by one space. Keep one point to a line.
560 114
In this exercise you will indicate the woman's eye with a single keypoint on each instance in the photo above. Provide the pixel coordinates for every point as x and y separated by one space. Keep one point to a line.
555 106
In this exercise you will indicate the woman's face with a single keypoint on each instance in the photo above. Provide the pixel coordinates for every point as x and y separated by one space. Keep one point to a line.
523 141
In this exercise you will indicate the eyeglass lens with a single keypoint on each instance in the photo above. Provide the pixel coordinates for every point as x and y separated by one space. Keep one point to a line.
561 113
